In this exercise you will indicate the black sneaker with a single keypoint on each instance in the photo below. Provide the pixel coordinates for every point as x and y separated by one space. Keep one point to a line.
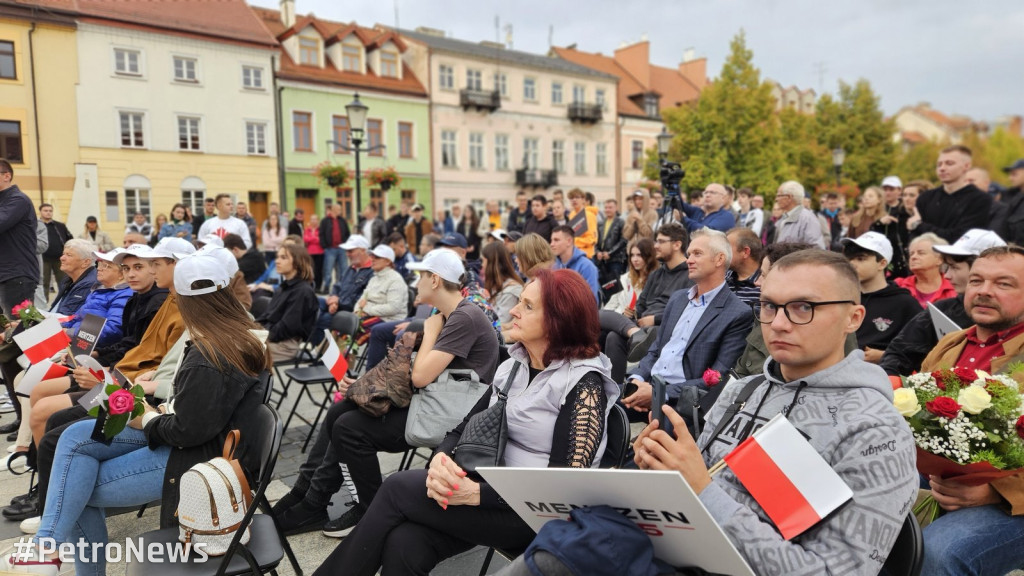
640 341
25 497
23 510
303 517
286 502
344 524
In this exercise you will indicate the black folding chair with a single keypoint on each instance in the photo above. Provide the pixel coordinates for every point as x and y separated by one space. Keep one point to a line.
267 545
308 353
907 554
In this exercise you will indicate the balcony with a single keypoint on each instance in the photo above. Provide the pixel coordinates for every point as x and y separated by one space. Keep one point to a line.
487 100
586 113
537 178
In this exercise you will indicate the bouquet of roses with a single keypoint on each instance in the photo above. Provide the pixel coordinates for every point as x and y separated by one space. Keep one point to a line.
28 314
120 406
967 424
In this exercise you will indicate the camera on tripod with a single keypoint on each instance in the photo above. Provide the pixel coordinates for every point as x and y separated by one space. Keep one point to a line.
671 174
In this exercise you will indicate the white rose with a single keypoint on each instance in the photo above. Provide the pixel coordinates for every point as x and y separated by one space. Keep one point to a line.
982 375
905 401
974 399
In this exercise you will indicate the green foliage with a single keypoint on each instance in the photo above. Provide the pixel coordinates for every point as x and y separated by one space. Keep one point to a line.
807 160
854 121
918 162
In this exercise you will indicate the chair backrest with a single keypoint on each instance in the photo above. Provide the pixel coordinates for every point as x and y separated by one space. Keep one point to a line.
345 323
503 354
259 306
907 553
267 380
617 445
412 301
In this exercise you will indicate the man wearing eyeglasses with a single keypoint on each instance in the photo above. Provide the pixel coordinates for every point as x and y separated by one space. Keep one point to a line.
797 223
841 404
715 214
19 267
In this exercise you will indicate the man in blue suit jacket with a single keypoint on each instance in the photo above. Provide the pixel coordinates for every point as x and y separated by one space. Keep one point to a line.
714 214
703 327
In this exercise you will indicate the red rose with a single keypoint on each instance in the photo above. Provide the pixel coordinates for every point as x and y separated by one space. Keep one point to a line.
937 375
1020 426
120 402
966 375
943 406
712 377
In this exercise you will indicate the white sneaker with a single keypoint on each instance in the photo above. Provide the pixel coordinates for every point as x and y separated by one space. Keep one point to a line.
10 449
30 525
24 558
16 462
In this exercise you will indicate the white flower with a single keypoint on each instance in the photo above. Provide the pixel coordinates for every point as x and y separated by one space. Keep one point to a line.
974 399
905 401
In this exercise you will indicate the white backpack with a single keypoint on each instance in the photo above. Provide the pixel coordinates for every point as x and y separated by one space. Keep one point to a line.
213 499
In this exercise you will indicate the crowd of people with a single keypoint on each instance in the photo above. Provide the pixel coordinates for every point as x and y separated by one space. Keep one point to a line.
560 307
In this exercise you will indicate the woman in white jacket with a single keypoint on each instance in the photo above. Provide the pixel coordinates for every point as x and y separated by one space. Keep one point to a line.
642 262
386 295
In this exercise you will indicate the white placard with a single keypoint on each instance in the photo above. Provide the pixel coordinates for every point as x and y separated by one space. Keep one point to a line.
943 325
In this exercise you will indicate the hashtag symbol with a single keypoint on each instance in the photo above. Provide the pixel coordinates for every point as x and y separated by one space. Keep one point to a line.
23 550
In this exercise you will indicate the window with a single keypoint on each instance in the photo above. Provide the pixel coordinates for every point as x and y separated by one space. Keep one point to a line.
448 149
340 133
375 137
601 159
309 51
112 206
501 84
7 67
389 64
581 157
531 149
556 93
579 94
473 80
501 152
446 77
637 155
185 69
131 130
126 62
558 156
193 199
255 137
409 195
405 139
252 77
188 133
352 58
476 151
136 200
651 105
10 142
302 131
599 98
530 89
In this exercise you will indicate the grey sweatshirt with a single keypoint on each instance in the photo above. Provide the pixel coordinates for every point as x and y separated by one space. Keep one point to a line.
847 413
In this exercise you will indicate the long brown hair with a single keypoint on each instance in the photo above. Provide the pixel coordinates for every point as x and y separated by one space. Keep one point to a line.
220 328
499 268
862 220
639 277
301 260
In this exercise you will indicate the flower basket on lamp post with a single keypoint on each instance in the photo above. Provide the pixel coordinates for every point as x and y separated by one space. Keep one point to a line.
385 178
334 175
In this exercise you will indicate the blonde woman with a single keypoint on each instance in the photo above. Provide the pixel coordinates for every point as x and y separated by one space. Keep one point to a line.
534 254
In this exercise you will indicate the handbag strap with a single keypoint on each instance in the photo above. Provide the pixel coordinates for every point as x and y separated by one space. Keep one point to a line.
503 393
231 443
735 407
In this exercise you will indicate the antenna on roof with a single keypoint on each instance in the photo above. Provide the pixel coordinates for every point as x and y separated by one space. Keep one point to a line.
819 70
397 27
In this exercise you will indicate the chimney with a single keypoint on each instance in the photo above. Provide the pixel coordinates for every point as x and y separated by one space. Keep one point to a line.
288 13
689 54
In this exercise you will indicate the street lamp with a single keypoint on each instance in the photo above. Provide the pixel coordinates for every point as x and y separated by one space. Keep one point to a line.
356 111
838 157
664 141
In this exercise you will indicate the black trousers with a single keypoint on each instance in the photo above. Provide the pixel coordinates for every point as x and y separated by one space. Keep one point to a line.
350 436
405 533
614 330
56 424
9 370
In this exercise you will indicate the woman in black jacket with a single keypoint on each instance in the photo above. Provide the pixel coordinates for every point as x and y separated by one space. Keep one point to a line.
291 314
215 386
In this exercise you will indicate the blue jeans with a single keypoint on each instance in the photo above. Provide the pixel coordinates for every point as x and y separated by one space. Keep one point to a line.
977 541
89 476
335 260
382 338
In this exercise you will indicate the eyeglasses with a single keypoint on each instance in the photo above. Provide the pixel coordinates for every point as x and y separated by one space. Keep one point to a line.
798 312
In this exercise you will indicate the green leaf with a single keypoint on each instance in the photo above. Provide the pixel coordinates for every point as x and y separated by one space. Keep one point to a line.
111 388
94 411
114 425
138 392
139 410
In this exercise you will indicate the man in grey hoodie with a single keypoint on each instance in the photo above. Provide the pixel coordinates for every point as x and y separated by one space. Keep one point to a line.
842 404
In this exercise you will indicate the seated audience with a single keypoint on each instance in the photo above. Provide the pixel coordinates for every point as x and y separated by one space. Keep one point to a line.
78 262
642 262
350 287
500 281
459 336
107 299
217 385
534 254
982 529
746 264
927 283
250 261
386 296
887 307
403 256
291 314
557 411
571 257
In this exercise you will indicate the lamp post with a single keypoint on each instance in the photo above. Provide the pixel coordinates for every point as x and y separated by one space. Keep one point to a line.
356 111
838 157
664 142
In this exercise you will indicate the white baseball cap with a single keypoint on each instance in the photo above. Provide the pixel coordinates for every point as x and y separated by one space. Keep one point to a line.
972 243
198 267
223 254
109 256
212 239
499 234
383 251
137 250
893 181
443 262
170 247
356 241
874 242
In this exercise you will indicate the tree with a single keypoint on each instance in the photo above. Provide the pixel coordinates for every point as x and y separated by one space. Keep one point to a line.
918 161
731 135
807 160
1001 150
854 121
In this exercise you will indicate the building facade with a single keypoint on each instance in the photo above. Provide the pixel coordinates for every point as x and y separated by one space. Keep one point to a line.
504 120
323 65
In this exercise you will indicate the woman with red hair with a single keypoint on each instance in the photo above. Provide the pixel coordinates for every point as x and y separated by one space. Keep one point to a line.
559 397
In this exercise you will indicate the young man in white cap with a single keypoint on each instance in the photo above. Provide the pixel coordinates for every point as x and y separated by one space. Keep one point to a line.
887 306
386 296
918 337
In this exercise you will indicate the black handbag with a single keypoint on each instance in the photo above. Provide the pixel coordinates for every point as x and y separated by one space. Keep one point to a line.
483 440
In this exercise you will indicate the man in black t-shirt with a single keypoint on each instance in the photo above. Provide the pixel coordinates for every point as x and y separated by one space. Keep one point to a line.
955 207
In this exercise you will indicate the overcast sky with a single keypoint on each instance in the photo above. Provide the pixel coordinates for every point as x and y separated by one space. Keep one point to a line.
963 59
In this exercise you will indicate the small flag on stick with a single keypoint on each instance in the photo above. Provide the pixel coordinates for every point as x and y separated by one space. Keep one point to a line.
42 340
334 359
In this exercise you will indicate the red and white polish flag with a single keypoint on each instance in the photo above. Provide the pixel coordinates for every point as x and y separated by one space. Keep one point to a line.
44 370
42 340
788 478
334 359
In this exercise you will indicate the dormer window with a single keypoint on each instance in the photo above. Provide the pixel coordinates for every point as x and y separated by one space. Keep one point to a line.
389 64
309 51
651 105
351 58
